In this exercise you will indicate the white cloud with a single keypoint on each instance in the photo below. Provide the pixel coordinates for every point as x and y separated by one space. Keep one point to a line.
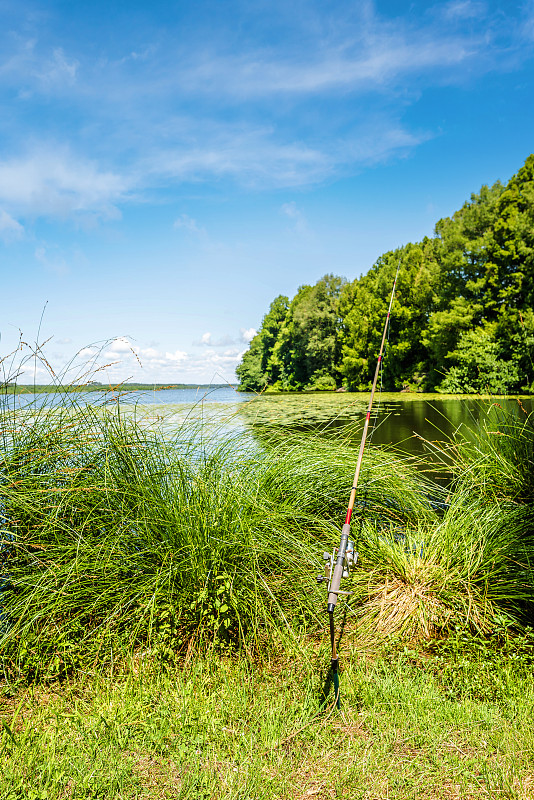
300 223
357 55
115 362
248 154
29 371
247 334
58 70
10 229
262 157
207 340
147 352
150 364
149 110
50 183
121 346
177 357
52 258
88 352
463 9
189 224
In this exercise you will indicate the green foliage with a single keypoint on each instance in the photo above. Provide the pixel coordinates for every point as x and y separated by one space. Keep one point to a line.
365 304
497 458
298 344
414 724
465 569
488 668
307 351
258 368
479 367
462 321
117 539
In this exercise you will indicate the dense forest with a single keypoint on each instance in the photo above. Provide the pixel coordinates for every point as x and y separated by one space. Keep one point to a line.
463 319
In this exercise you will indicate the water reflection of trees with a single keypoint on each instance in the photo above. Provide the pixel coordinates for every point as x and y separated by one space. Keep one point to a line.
403 423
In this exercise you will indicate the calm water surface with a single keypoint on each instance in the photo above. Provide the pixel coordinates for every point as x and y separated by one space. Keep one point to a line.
399 419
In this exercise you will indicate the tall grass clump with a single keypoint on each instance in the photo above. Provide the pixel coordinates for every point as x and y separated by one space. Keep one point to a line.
118 540
497 457
470 569
473 567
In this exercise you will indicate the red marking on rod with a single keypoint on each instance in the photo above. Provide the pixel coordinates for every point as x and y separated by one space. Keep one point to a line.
349 515
368 416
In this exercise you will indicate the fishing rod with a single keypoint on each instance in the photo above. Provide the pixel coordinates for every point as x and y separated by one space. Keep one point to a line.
343 558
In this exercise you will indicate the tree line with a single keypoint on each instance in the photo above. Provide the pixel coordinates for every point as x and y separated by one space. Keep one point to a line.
463 318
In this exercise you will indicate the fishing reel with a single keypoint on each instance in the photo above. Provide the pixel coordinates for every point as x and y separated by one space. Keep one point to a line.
349 561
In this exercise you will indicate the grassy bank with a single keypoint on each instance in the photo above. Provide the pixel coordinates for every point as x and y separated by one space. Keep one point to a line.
117 539
226 728
163 634
92 386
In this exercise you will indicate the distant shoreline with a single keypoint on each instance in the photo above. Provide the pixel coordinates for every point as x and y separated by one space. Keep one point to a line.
100 387
125 388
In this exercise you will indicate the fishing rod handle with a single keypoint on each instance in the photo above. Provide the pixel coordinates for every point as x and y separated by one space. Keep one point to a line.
335 583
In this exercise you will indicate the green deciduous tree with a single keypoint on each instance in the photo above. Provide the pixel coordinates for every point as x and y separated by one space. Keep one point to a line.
256 368
463 316
479 366
365 304
308 348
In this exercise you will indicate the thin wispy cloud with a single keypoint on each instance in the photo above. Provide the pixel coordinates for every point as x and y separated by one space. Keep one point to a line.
300 223
10 229
166 113
392 59
360 55
464 9
187 223
48 182
52 259
58 70
251 156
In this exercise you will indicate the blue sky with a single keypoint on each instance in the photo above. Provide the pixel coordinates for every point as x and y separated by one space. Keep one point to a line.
167 169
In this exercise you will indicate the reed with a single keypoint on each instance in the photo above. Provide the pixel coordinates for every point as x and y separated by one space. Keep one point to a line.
497 456
470 569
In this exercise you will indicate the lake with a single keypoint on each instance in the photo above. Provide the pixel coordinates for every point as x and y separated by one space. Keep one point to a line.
401 419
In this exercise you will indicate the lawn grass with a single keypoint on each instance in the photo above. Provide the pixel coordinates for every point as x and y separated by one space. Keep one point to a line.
226 728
